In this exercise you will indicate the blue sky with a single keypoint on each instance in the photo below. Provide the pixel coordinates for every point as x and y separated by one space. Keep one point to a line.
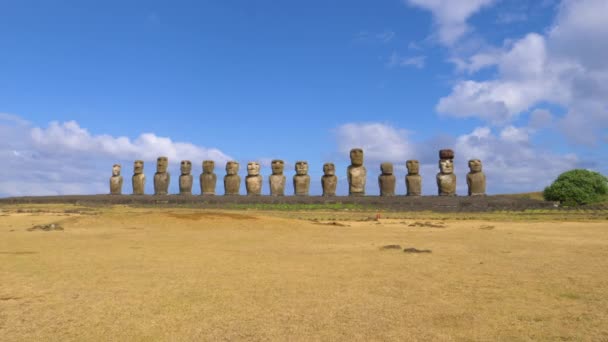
86 84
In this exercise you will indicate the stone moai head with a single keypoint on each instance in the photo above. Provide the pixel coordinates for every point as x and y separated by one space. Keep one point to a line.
253 169
277 167
356 157
161 164
329 169
185 167
386 168
138 167
446 161
475 165
232 167
116 170
413 167
301 168
208 166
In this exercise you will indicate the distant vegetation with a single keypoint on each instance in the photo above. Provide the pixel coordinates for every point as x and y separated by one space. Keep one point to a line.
578 187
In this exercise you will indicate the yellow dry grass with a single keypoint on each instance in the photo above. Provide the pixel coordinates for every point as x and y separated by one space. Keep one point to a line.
140 274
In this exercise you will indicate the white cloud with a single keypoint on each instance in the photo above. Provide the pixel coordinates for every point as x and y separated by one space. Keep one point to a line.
565 67
380 142
396 60
70 138
451 16
65 158
512 163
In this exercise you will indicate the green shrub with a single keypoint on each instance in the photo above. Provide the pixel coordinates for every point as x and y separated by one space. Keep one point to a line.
576 187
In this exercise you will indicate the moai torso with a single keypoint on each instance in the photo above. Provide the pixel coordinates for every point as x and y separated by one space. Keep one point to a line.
414 185
413 180
253 181
476 179
161 177
386 181
139 179
301 180
208 179
446 179
232 181
116 181
277 179
185 179
329 181
356 173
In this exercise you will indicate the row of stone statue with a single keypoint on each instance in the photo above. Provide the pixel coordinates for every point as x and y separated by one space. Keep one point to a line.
356 175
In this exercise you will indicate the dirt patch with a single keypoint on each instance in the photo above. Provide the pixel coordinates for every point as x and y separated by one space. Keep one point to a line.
426 225
487 227
389 247
332 223
416 250
46 227
213 215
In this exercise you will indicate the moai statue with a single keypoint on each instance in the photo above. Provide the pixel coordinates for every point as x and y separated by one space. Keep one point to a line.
277 179
356 173
208 178
161 177
329 181
253 181
139 179
116 181
301 180
232 180
413 180
476 179
386 180
446 179
185 179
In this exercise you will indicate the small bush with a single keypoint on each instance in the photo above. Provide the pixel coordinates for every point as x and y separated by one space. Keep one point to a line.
577 187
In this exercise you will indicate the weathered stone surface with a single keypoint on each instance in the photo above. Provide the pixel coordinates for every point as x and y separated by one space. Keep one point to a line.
476 179
208 179
277 178
185 179
356 173
253 181
139 179
413 180
232 180
446 179
301 180
329 180
116 181
386 180
162 178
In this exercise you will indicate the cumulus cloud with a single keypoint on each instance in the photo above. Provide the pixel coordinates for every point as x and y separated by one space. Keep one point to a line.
564 67
65 158
451 16
512 163
381 142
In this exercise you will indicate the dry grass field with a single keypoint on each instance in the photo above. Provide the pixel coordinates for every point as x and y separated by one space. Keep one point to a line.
147 274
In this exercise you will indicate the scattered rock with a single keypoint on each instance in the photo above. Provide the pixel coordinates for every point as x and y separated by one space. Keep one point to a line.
46 227
426 225
415 250
390 247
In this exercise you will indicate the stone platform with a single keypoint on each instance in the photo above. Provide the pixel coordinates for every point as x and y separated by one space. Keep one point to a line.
395 203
